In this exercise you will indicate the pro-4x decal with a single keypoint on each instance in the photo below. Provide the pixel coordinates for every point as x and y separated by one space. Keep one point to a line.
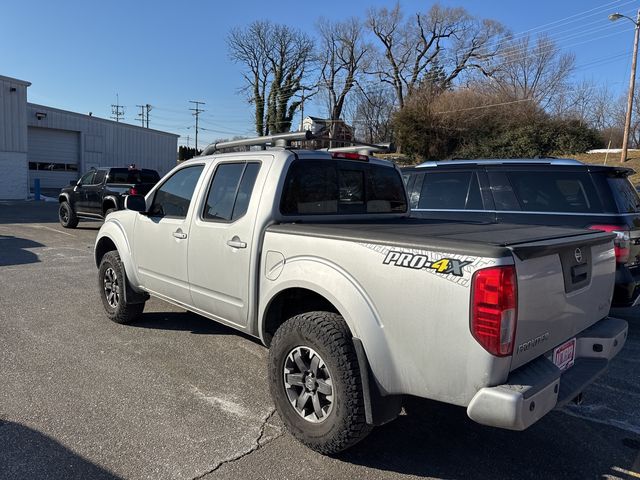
453 267
444 265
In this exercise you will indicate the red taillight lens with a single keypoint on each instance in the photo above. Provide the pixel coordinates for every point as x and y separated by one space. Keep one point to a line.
494 294
621 243
133 191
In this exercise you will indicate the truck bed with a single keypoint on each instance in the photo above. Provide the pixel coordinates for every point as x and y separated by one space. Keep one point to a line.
483 239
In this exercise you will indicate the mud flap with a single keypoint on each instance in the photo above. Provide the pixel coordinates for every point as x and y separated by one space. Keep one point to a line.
379 409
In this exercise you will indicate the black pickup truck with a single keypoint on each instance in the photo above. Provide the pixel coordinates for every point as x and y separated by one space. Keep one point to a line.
102 191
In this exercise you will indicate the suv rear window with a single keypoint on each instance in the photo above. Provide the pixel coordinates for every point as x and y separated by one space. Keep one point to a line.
124 175
625 195
325 187
555 191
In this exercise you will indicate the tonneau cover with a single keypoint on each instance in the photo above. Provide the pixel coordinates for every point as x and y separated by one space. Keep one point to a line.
485 239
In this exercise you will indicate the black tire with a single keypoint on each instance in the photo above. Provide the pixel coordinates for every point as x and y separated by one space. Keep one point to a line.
109 210
66 215
327 336
111 285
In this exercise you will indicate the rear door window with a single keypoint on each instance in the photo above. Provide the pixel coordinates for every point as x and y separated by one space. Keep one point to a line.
554 191
450 191
324 187
230 191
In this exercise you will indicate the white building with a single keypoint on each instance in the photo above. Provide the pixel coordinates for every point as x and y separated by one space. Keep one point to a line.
57 146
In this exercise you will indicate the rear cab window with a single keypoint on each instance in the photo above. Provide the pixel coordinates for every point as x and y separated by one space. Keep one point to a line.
125 175
336 187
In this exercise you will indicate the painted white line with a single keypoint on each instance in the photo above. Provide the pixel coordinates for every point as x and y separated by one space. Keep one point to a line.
49 228
626 426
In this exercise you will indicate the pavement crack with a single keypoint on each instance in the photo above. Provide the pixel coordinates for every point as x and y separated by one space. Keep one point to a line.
255 445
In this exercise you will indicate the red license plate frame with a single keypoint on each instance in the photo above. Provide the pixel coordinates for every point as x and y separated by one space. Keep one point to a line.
564 356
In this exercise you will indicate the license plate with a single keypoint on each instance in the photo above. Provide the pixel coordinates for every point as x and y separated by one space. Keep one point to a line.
565 354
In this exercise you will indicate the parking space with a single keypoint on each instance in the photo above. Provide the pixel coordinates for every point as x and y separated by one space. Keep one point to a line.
179 396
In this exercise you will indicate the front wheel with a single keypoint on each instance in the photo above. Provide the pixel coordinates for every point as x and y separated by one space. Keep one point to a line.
112 285
66 215
315 382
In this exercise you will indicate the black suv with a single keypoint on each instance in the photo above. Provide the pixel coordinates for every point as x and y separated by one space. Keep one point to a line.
540 192
102 191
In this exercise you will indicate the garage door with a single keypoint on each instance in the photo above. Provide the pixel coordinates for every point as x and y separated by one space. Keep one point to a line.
53 156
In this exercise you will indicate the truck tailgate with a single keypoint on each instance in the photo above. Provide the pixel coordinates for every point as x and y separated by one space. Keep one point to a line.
564 286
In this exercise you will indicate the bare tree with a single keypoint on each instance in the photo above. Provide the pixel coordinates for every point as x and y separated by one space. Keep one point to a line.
449 39
373 112
539 72
343 55
276 59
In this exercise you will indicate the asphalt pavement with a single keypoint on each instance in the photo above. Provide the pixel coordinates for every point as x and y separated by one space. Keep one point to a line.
179 396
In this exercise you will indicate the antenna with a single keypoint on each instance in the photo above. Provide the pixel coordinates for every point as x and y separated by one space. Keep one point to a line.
117 110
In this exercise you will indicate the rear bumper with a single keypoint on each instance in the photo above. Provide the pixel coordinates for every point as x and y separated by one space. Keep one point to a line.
534 389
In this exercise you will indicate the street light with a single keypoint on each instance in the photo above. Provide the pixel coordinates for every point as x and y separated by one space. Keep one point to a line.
632 81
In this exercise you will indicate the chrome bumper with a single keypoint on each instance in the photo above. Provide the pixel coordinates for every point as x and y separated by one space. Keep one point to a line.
533 390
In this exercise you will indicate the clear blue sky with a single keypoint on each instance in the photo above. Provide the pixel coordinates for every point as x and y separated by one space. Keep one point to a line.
80 54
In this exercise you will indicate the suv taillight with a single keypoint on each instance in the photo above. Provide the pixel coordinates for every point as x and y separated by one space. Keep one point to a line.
494 294
133 191
621 243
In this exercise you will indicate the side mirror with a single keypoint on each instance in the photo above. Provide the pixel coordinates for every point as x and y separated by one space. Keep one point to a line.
135 203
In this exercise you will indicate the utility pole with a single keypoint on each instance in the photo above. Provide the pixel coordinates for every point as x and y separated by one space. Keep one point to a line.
302 109
187 141
632 81
117 110
196 113
148 108
141 114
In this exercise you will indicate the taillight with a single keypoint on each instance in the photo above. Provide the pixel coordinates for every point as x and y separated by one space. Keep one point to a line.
621 243
350 156
133 191
494 293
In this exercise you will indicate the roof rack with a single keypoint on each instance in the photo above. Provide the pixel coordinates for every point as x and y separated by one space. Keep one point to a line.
360 148
506 161
284 140
276 140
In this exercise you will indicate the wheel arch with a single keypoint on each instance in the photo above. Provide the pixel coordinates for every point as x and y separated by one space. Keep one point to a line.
109 202
112 237
330 286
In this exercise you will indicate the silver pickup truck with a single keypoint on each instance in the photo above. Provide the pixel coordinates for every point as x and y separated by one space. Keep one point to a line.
314 254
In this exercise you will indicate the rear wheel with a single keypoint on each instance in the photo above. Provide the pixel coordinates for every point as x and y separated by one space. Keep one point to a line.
112 285
109 210
66 215
315 382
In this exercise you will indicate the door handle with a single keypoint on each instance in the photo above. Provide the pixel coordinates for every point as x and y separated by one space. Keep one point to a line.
235 242
180 234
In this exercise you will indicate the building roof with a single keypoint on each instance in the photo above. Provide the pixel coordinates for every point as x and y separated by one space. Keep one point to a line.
15 80
99 119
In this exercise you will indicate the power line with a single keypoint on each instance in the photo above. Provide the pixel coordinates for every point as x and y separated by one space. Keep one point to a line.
197 111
